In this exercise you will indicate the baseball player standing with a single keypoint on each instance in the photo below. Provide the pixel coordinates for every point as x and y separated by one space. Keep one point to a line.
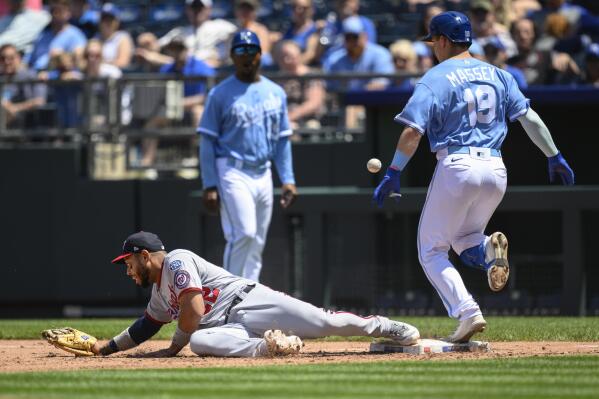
220 314
244 126
462 105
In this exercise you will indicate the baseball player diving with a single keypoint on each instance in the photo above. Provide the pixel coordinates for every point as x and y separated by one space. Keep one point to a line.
463 105
244 127
217 313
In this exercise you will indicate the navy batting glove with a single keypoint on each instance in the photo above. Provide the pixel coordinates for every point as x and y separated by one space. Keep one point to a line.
558 166
389 185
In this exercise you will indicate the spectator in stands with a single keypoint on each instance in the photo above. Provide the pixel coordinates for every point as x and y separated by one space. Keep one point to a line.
117 44
562 67
58 37
147 46
305 98
246 15
93 68
194 92
581 20
504 12
207 39
592 65
5 6
359 55
522 8
18 100
84 17
94 64
530 61
303 29
424 51
405 60
496 55
21 26
62 66
331 30
485 27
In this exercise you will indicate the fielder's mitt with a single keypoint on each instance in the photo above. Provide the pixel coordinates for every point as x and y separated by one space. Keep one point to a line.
70 340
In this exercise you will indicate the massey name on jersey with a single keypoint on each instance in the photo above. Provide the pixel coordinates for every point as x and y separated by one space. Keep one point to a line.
465 75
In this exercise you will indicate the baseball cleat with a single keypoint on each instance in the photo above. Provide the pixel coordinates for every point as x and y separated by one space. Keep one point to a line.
467 328
499 269
403 333
279 344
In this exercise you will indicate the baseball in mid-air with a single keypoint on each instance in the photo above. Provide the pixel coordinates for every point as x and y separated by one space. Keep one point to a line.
374 165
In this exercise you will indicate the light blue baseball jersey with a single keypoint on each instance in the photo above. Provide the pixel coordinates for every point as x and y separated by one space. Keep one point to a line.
246 121
464 102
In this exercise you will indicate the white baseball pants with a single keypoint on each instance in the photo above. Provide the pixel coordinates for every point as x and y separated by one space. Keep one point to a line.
463 194
246 209
265 309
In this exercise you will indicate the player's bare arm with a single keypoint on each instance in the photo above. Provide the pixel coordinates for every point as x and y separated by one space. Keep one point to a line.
211 200
408 141
191 311
288 195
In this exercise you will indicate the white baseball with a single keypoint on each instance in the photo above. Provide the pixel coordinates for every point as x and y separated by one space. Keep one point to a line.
374 165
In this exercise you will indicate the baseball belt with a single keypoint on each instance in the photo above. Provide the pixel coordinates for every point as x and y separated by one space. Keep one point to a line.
238 299
241 165
456 149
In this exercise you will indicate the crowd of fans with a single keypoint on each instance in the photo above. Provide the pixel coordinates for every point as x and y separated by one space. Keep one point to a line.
540 42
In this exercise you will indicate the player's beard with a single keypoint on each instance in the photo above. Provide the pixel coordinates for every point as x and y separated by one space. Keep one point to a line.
144 276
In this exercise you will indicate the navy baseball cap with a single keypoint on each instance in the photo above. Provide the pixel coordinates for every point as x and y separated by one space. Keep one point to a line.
137 242
245 38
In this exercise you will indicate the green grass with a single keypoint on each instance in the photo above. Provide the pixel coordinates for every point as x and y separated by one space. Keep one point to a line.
556 377
499 328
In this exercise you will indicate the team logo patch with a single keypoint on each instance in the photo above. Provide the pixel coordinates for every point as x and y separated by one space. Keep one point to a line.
182 279
175 265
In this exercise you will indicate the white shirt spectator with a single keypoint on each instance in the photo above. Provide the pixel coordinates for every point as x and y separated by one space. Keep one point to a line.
23 28
209 42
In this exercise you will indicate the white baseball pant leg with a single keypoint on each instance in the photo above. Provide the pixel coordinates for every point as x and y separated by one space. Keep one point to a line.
230 340
246 210
265 309
463 194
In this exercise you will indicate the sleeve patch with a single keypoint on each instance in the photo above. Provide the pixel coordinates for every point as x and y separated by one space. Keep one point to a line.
175 265
182 279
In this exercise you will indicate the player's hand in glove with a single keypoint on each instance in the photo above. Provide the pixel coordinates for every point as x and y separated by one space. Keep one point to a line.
288 195
71 340
559 167
388 186
211 200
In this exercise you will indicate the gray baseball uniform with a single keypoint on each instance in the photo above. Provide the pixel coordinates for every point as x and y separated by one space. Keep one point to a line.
238 311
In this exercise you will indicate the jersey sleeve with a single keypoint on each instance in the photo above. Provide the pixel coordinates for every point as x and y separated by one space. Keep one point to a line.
517 104
210 122
419 110
182 275
157 311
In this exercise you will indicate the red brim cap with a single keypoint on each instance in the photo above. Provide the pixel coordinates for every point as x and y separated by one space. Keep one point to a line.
121 258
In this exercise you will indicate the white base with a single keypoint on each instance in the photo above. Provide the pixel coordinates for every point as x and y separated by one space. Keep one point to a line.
428 346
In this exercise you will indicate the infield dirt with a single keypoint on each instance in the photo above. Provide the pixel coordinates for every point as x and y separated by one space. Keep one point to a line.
37 355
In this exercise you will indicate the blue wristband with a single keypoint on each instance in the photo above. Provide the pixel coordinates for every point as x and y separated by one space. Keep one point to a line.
400 160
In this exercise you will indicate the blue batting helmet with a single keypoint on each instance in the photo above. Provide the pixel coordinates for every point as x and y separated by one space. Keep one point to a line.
245 38
451 24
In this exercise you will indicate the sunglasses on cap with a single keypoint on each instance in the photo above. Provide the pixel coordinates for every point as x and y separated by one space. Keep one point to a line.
246 50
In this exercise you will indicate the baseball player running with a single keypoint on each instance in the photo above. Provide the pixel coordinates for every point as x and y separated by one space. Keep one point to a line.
462 105
244 126
220 314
